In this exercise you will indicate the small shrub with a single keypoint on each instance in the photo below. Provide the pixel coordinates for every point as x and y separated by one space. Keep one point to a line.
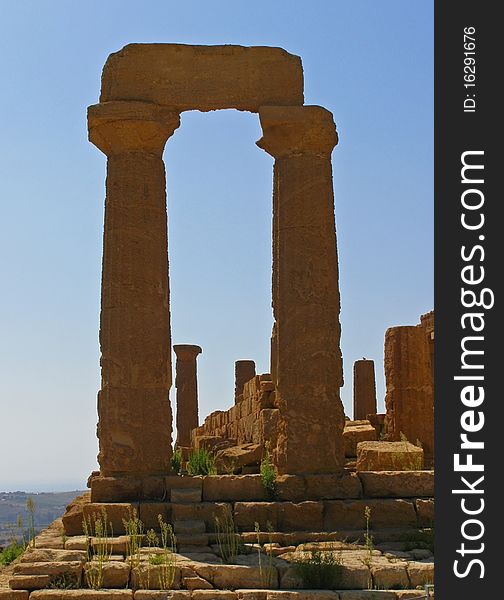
422 539
176 460
267 572
64 581
228 539
97 529
369 544
268 476
415 461
320 570
30 507
201 462
134 529
166 561
9 554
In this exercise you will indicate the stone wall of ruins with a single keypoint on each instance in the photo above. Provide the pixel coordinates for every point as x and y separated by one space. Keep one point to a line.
409 379
252 420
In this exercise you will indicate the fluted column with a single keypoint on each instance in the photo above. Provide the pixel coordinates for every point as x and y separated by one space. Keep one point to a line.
308 366
186 382
135 418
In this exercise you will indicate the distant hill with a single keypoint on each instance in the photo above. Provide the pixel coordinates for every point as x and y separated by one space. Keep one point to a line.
48 506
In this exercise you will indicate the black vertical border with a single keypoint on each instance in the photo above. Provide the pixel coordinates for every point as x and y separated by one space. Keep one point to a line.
456 132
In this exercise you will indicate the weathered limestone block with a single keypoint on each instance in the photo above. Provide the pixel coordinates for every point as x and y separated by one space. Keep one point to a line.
194 582
420 573
115 489
231 577
213 595
29 582
186 382
234 488
397 484
364 389
148 576
245 370
302 516
81 594
72 519
378 422
32 555
306 301
389 456
387 575
248 513
235 457
149 512
269 419
367 595
114 512
115 574
162 595
134 320
69 567
291 488
425 512
410 396
329 486
7 594
385 514
203 511
186 77
298 594
355 432
210 442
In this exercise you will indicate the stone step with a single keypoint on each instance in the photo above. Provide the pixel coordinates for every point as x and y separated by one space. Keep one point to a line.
189 527
186 495
29 582
189 549
187 539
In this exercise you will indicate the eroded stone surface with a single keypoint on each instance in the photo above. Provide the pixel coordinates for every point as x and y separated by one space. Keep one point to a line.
389 456
185 77
409 378
307 360
134 319
355 432
364 389
245 370
186 382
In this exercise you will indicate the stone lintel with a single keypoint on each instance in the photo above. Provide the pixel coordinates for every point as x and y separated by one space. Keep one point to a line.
185 77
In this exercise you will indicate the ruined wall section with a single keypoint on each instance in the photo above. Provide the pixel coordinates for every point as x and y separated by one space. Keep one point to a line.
252 420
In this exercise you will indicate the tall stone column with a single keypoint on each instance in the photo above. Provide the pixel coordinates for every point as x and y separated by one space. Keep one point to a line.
306 303
245 370
364 389
409 399
135 418
186 382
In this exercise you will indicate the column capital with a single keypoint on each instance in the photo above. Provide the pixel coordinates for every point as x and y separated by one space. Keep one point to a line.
119 127
297 130
187 351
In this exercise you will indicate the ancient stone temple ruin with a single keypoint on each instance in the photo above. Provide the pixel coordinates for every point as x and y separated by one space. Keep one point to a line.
292 475
144 90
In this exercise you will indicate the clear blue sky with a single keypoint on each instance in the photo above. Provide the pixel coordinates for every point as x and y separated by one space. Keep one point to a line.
369 62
